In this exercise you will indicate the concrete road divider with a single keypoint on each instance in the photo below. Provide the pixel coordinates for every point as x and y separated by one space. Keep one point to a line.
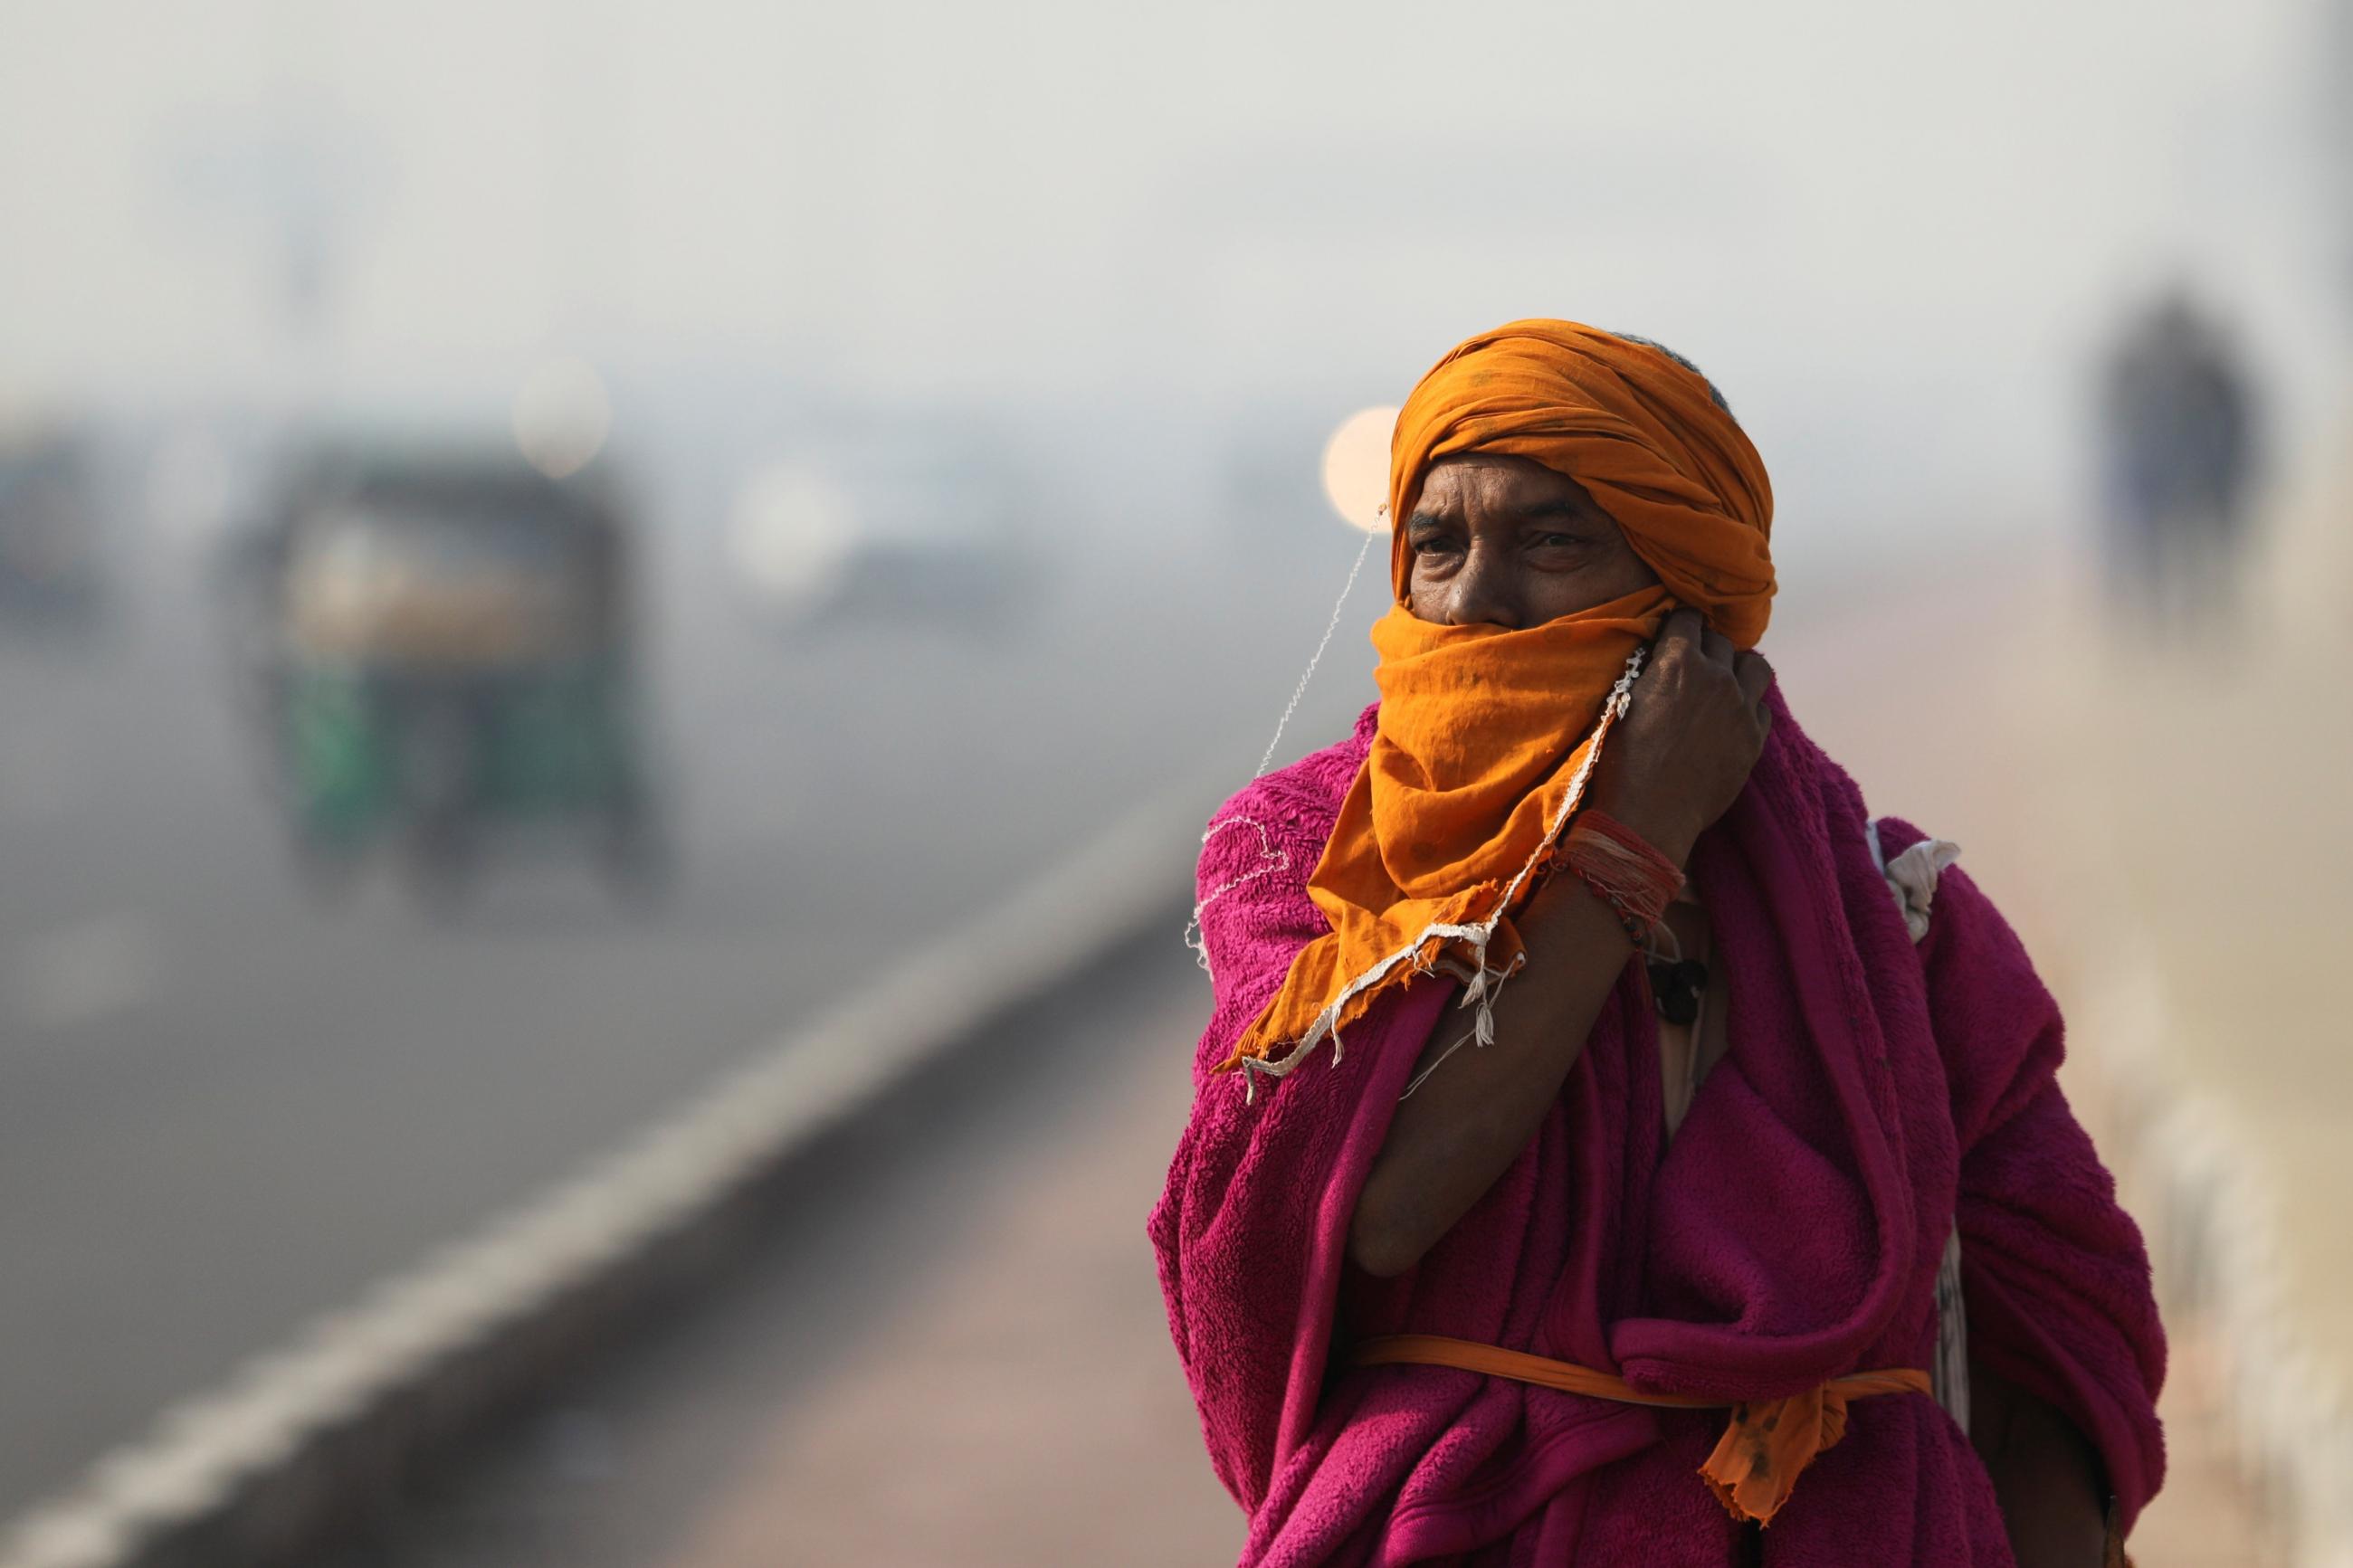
335 1428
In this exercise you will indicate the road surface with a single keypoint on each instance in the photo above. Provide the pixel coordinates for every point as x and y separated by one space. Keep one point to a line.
227 1104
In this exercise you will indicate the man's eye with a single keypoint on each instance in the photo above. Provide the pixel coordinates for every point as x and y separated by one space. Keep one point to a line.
1439 545
1555 540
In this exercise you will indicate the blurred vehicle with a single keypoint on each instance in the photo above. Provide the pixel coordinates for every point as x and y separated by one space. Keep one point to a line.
915 522
441 650
50 555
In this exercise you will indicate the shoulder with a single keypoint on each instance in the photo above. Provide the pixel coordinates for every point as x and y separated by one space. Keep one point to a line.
1251 905
1914 865
1925 874
1996 1022
1897 834
1287 813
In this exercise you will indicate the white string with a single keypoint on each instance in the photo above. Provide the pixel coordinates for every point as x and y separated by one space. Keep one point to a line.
1271 859
1329 627
1489 986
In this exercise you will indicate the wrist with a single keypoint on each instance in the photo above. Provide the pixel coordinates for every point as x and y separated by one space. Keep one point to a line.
1567 886
1623 869
1659 826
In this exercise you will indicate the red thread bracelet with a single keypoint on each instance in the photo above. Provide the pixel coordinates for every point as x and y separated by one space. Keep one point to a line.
1622 868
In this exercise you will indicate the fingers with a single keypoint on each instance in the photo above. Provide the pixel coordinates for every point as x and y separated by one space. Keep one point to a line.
1755 678
1687 626
1684 626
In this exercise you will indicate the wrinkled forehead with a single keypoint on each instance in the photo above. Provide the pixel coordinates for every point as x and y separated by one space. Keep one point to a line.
1489 483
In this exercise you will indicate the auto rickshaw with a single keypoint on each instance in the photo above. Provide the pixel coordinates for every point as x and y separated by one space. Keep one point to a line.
449 659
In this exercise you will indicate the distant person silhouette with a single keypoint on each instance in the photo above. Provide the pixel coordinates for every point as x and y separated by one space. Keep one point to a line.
2179 428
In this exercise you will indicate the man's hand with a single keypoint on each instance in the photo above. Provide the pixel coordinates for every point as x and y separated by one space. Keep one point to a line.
1678 758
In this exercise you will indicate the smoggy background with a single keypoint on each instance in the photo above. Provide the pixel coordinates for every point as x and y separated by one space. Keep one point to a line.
959 379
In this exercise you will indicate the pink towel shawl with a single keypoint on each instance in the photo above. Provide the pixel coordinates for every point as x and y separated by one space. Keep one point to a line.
1791 1233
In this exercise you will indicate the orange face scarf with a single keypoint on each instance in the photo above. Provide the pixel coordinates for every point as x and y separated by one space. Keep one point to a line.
1487 735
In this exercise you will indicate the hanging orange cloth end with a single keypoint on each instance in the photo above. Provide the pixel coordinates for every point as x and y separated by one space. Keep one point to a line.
1770 1443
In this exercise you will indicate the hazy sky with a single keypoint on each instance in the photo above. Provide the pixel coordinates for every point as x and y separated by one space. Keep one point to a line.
1891 232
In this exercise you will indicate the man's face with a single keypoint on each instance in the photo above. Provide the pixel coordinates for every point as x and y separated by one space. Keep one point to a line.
1505 541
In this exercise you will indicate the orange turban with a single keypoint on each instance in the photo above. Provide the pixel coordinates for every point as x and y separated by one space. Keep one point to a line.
1640 429
1487 734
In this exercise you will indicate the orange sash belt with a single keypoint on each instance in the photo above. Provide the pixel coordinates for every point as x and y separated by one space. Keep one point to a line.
1755 1465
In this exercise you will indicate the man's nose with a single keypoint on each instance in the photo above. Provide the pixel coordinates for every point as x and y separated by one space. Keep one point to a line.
1484 594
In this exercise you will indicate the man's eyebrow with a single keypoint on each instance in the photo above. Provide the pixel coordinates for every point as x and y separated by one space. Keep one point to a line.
1556 507
1422 519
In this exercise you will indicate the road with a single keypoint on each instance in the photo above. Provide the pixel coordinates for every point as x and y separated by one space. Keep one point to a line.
227 1104
955 1357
